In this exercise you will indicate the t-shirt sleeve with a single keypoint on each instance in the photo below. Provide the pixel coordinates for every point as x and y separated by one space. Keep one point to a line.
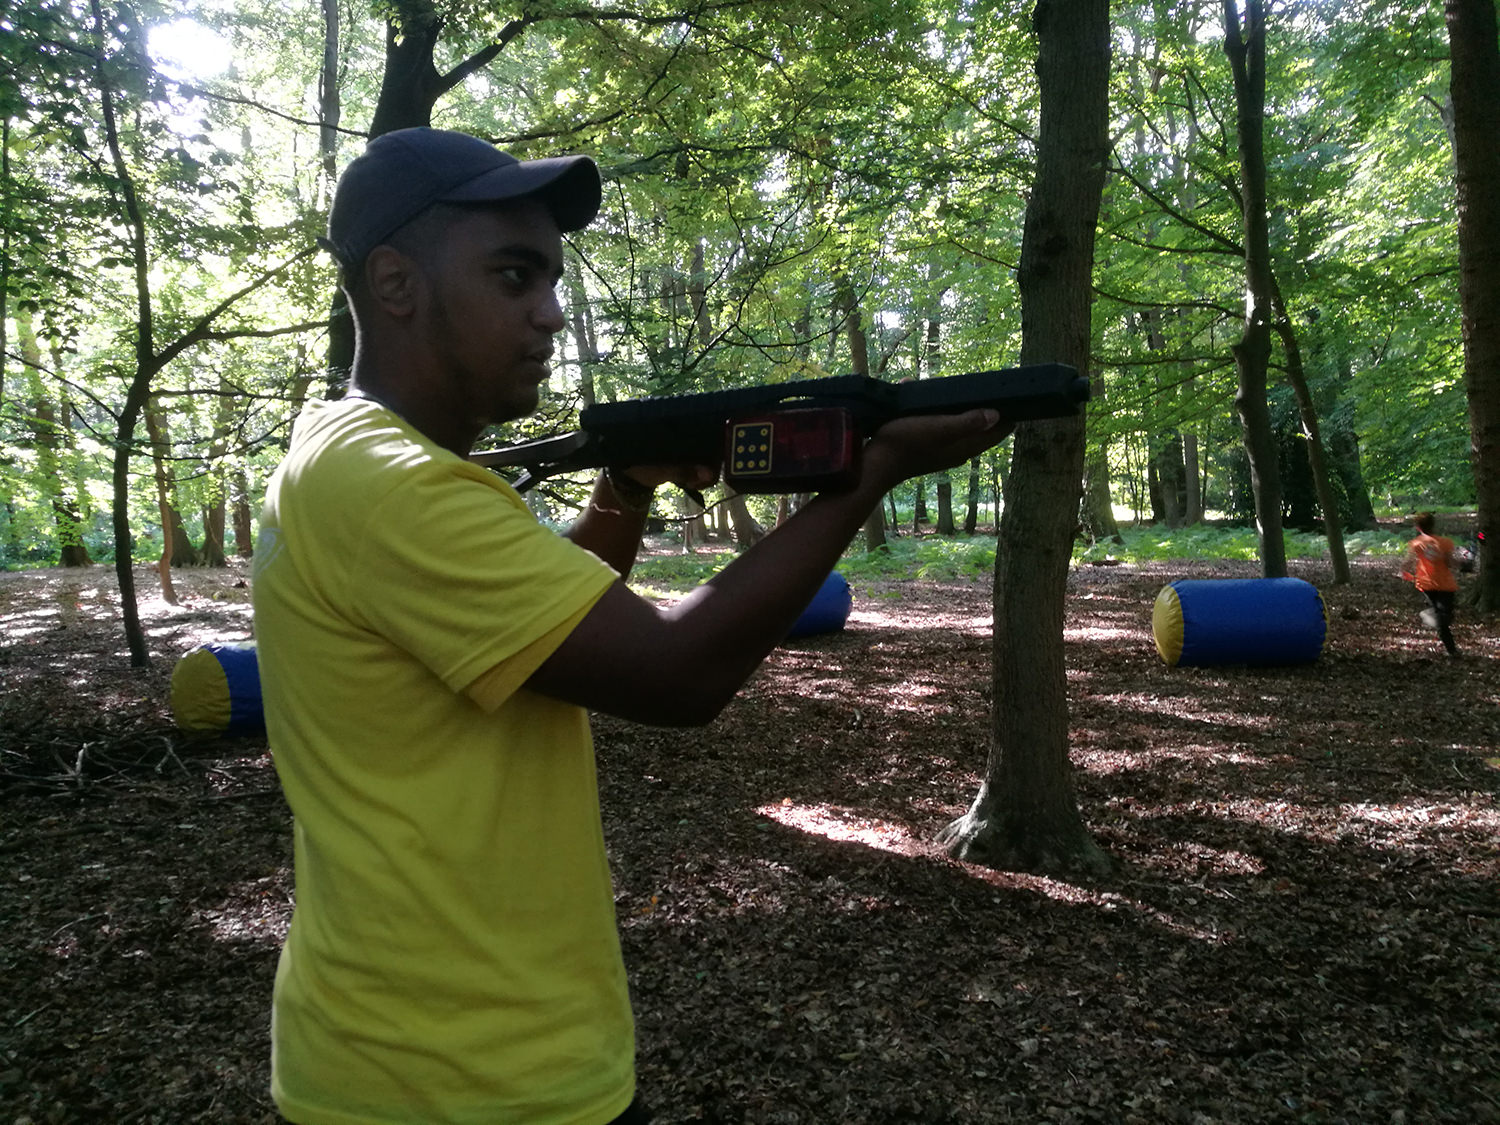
455 571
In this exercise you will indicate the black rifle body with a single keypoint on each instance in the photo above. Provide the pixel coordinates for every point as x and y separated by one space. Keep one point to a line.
783 437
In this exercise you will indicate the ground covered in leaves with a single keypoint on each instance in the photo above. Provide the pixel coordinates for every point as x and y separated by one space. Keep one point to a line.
1303 926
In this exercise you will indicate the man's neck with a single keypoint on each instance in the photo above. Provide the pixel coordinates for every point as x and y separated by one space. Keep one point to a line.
415 410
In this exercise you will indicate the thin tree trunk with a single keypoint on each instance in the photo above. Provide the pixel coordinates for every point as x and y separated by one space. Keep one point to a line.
1193 512
146 361
5 225
49 437
746 528
1333 528
1475 91
971 508
1026 814
945 506
244 525
852 324
1252 355
1098 509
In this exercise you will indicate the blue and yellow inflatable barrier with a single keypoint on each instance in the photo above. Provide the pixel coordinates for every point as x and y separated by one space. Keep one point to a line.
1239 621
828 611
216 689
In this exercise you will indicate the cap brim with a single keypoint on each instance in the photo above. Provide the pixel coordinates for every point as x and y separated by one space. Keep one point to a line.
568 185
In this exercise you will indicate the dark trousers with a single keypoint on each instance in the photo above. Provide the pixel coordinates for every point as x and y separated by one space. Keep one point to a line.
1442 608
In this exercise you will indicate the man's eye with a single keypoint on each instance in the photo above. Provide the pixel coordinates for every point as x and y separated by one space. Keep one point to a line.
514 275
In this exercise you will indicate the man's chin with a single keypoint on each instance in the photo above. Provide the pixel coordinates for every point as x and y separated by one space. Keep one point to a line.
517 406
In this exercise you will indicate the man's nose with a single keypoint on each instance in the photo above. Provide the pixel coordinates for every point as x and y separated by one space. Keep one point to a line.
549 313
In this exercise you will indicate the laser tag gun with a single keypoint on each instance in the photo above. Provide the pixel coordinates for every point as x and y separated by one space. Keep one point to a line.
802 436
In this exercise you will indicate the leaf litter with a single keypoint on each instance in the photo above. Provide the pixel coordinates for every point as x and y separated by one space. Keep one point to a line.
1304 925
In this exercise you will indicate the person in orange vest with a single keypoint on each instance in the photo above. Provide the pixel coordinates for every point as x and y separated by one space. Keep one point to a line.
1429 565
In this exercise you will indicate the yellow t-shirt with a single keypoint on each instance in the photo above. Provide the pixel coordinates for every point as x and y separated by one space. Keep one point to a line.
453 955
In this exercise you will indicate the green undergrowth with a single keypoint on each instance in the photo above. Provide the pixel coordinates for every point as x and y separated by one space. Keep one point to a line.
1154 544
969 558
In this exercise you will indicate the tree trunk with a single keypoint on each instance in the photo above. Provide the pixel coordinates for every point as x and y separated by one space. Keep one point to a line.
971 507
243 523
1026 815
330 111
919 514
584 339
5 257
1166 464
1098 511
1333 528
1252 355
945 506
49 437
852 324
214 512
747 529
1343 445
875 529
1192 513
171 520
1475 90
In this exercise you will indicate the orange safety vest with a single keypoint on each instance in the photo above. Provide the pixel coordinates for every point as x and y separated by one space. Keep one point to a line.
1431 554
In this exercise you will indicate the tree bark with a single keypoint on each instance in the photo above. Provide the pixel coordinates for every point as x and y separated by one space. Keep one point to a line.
242 521
50 436
1252 355
1025 816
1098 510
852 323
1192 514
971 507
746 528
944 525
1343 444
1475 91
1333 528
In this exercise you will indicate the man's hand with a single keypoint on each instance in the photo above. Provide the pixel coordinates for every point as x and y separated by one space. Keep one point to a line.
692 478
917 445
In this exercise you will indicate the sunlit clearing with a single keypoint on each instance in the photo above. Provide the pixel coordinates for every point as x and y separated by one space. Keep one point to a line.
185 48
844 825
1095 634
257 911
894 616
1403 822
71 603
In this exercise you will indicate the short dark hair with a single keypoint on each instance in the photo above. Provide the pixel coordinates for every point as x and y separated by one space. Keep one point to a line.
412 238
1425 523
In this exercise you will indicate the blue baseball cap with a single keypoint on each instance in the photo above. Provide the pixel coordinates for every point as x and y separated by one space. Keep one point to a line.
402 173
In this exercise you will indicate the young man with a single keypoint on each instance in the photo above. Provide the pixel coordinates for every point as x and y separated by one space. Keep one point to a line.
1429 565
428 653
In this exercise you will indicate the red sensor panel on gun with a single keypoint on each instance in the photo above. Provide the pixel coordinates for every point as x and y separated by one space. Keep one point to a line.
799 450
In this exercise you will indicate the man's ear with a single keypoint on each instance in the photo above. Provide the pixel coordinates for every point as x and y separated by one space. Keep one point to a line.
392 280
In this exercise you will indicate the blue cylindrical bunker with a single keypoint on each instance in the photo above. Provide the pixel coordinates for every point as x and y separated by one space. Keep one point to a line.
216 688
1197 623
828 611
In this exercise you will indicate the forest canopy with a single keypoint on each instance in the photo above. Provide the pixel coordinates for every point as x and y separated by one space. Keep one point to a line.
793 189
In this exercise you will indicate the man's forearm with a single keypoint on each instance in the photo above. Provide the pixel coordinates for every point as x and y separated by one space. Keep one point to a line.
611 525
